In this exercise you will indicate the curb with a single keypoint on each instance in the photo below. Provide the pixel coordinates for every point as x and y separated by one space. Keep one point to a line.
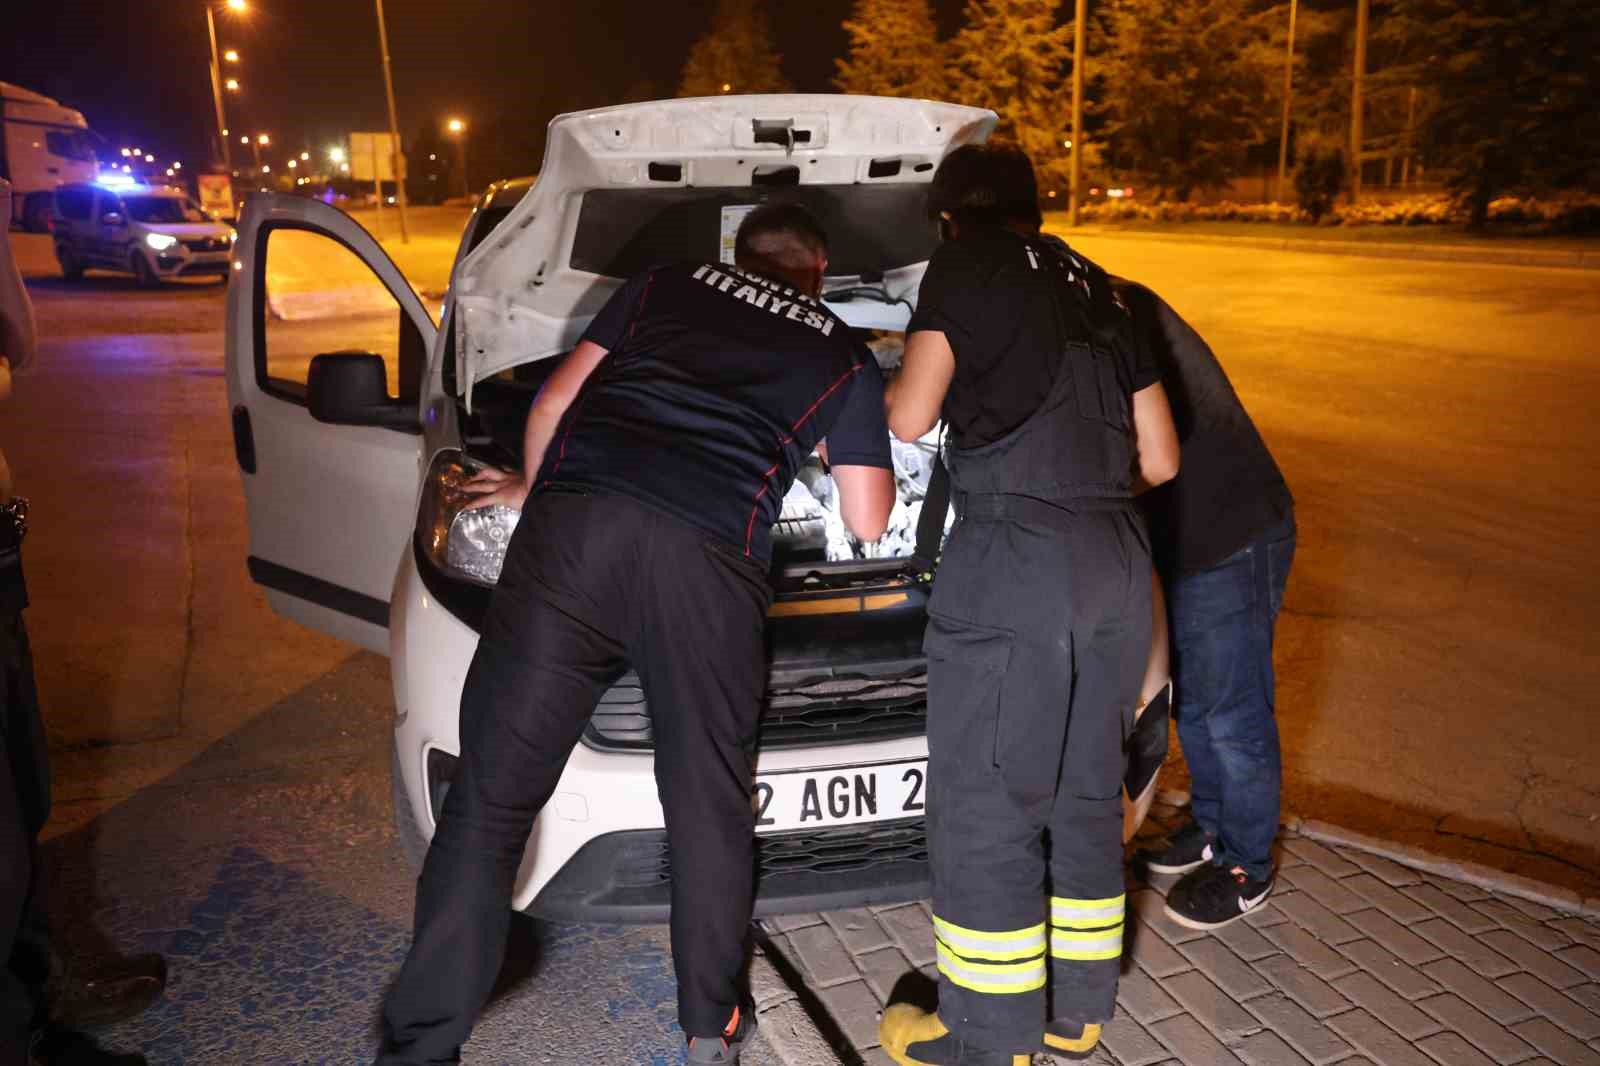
1444 253
785 1024
1486 877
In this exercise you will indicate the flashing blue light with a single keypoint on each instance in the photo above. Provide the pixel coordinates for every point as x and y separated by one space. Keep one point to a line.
115 181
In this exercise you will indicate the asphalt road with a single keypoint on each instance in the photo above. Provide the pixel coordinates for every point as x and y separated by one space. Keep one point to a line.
222 789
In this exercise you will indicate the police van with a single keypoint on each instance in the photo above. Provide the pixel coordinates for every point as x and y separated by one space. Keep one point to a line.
358 414
42 145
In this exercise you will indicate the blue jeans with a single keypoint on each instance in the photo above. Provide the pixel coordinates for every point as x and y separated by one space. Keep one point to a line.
1222 620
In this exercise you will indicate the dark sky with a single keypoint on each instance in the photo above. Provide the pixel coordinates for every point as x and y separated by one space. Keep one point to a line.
311 70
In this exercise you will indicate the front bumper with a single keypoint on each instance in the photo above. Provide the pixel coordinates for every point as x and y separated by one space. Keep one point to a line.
597 852
180 262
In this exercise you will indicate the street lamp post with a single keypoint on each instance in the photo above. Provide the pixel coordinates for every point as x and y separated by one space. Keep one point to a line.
216 88
458 130
394 131
1357 135
1288 103
1079 18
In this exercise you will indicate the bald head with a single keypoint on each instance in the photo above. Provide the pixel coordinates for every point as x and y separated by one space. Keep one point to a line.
786 243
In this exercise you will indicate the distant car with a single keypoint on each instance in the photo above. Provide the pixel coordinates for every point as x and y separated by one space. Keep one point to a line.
150 231
356 421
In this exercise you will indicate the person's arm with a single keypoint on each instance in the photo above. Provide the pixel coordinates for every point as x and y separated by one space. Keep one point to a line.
913 400
17 336
508 488
1156 438
866 496
858 447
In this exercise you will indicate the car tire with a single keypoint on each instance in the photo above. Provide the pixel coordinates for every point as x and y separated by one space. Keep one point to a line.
413 844
71 268
143 271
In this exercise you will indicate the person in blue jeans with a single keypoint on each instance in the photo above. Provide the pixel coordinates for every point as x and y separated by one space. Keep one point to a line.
1223 538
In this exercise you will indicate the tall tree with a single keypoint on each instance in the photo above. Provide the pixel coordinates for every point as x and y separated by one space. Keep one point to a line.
736 55
1511 91
1015 57
894 51
1189 88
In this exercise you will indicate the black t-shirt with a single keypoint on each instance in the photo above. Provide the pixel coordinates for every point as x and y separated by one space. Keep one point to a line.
989 295
1228 491
717 386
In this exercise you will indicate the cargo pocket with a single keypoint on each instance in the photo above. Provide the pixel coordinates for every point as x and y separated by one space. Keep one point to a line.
1097 378
967 666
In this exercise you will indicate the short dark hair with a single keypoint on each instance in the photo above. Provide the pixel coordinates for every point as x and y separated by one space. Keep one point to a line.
782 219
986 184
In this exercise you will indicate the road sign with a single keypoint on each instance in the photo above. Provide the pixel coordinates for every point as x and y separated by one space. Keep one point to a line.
372 157
216 194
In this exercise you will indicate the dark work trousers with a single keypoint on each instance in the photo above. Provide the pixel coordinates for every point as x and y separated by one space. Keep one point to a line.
24 807
590 584
1223 619
1040 631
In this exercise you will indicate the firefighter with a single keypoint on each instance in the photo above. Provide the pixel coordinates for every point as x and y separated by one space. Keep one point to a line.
1040 619
656 460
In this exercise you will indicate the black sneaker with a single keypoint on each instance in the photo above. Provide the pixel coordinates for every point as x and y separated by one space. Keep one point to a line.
1188 848
1213 896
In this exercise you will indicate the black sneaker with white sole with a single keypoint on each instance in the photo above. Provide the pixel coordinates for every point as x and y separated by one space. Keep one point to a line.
1186 849
1214 896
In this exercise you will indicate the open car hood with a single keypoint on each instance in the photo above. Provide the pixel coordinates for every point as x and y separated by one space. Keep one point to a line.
673 177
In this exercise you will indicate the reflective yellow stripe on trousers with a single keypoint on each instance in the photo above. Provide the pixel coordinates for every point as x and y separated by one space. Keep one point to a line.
1006 962
1086 930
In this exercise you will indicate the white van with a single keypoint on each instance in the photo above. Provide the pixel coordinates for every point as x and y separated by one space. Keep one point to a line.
42 145
356 416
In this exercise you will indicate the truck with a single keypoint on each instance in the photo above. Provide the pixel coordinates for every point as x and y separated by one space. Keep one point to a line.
43 144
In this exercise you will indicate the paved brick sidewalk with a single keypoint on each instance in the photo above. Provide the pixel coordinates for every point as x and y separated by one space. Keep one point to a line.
1356 960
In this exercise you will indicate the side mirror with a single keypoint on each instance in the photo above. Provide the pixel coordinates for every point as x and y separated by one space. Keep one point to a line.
352 389
111 218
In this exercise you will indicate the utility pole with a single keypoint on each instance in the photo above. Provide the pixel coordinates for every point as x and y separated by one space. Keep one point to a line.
1079 19
399 160
1288 102
216 91
1356 104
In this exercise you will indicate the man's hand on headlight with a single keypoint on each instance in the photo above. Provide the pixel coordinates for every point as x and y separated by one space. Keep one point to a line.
492 486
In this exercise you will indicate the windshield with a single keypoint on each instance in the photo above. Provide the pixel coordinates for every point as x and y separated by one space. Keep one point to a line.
163 209
871 228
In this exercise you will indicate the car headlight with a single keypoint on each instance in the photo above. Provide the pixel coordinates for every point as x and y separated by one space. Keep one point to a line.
160 241
468 545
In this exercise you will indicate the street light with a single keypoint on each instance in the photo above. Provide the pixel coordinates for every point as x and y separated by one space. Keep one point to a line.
458 130
336 154
1288 105
263 139
232 85
231 55
727 87
216 74
305 157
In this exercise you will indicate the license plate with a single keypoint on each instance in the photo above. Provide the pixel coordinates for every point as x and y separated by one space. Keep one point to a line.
847 795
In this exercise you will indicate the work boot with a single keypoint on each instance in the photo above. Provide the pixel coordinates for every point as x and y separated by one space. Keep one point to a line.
913 1037
1186 850
117 992
724 1050
1071 1040
1214 896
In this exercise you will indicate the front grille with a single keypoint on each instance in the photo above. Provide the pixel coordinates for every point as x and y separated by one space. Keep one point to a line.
854 849
207 244
800 712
